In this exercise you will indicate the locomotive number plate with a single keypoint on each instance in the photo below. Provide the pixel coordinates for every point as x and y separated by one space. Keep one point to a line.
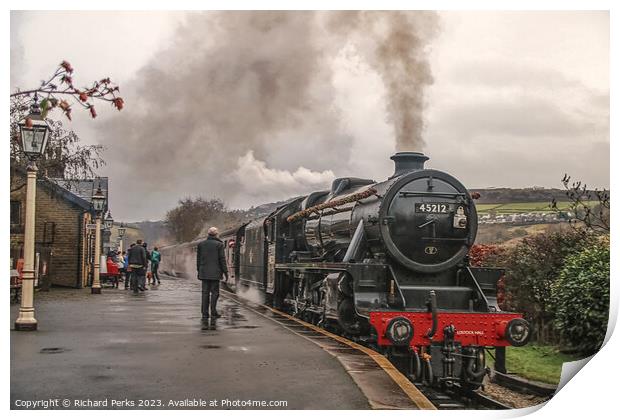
432 208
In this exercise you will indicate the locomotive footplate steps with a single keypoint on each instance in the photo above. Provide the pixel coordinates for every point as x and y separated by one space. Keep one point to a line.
383 385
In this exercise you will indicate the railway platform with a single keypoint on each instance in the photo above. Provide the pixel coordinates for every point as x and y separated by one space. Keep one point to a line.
117 350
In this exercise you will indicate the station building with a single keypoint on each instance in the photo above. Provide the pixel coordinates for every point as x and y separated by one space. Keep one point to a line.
64 244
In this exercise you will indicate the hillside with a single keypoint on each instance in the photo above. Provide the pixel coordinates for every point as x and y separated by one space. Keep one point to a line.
519 195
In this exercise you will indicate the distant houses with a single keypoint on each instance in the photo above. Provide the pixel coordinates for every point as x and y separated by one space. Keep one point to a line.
524 218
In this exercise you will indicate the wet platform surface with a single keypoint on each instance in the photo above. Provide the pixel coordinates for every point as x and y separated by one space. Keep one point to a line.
118 346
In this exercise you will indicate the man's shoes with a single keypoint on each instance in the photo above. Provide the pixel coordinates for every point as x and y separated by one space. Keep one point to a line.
216 316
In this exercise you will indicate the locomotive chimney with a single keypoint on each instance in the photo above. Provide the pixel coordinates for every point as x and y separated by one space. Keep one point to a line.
407 162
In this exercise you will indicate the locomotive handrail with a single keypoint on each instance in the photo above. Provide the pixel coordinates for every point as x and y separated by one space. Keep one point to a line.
324 266
435 238
427 193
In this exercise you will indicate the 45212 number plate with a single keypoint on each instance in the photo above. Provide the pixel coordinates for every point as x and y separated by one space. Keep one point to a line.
433 208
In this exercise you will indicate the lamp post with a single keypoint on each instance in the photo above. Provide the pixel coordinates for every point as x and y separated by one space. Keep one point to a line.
121 235
108 222
98 200
34 133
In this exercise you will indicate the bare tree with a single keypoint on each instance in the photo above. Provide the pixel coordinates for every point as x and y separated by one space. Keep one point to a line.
64 156
589 208
189 218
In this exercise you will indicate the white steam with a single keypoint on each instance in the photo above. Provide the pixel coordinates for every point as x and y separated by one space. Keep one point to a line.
256 178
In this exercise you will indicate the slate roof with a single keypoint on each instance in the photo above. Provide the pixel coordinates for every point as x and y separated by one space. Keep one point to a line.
75 191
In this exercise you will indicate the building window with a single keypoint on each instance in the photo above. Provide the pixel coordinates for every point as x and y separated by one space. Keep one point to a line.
16 213
49 230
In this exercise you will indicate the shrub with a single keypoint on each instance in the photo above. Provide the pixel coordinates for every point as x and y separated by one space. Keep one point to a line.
580 298
532 267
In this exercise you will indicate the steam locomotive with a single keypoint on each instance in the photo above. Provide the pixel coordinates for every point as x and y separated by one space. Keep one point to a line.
383 263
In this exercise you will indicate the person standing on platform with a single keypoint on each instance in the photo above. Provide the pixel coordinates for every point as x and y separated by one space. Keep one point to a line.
146 268
155 260
137 263
120 263
211 265
127 269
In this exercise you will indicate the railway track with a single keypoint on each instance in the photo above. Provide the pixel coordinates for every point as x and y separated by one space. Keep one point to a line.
458 399
455 399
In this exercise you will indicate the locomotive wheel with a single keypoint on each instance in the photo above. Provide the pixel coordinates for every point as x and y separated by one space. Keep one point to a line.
472 380
415 367
428 372
347 317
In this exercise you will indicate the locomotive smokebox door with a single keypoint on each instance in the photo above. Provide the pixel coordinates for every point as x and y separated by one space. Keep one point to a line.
433 221
271 254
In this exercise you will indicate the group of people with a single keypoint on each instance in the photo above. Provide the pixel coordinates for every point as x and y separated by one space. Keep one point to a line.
138 264
210 266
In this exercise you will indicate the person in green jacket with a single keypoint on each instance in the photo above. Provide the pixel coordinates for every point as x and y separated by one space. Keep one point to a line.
155 260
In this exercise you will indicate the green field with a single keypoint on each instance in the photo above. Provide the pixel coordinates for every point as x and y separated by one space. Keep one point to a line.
539 363
510 208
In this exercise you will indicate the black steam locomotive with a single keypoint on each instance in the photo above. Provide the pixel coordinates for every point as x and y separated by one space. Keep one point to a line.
384 263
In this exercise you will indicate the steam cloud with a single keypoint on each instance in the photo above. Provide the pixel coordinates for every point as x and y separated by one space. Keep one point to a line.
233 86
259 179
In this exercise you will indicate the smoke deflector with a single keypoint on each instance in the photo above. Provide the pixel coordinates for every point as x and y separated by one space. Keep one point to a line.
407 162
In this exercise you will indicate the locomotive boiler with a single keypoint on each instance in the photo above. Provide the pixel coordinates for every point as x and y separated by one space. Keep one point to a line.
384 263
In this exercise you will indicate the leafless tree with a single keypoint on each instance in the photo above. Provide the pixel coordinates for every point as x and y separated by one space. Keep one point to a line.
189 219
64 156
589 208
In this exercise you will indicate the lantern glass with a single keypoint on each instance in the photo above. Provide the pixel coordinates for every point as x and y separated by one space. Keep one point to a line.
34 135
98 201
109 221
121 231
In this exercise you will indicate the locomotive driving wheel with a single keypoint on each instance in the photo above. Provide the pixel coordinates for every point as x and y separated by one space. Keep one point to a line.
347 318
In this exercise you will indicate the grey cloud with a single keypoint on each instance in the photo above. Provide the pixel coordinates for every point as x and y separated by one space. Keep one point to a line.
233 82
522 117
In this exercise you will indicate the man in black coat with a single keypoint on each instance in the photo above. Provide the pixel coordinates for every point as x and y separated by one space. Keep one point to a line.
211 264
137 263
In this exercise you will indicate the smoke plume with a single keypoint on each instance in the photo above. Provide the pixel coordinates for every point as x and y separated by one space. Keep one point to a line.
234 82
396 45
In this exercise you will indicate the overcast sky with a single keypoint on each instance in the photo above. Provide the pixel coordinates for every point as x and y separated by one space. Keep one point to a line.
254 110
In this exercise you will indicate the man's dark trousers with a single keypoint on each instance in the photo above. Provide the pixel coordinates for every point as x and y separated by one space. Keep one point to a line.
210 293
154 268
137 274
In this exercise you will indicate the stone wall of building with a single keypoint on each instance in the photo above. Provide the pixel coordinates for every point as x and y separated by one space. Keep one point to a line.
59 235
